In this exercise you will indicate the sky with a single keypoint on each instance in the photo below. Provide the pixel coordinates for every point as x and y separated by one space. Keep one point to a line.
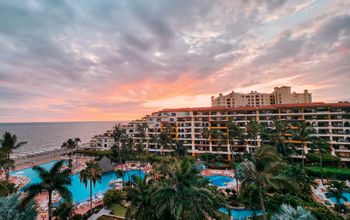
88 60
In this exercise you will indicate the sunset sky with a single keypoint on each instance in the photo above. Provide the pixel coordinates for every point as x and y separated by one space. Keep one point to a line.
96 60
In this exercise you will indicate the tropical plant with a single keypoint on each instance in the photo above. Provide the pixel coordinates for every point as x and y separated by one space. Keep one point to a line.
220 137
323 146
336 189
141 205
264 172
112 196
8 143
53 180
287 212
91 174
206 135
234 133
164 138
11 208
71 144
179 149
118 135
64 211
185 194
253 129
302 134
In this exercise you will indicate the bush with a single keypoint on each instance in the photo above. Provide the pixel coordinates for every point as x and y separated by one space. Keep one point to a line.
328 173
327 159
112 196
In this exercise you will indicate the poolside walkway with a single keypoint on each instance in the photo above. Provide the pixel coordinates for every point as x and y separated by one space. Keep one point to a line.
209 172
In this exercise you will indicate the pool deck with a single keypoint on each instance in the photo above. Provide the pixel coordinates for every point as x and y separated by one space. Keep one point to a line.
210 172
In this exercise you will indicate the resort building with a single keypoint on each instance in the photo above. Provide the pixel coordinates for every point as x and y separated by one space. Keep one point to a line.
330 120
104 141
280 95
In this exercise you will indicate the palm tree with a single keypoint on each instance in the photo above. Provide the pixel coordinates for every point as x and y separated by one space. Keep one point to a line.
165 138
63 211
71 144
287 212
185 194
141 206
280 128
52 180
323 146
141 129
179 149
206 135
11 208
220 137
264 173
302 134
234 133
7 144
118 135
92 173
253 130
336 190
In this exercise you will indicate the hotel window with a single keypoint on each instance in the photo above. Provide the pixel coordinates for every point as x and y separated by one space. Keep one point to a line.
187 113
173 114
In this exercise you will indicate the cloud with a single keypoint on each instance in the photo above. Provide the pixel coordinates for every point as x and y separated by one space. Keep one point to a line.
109 60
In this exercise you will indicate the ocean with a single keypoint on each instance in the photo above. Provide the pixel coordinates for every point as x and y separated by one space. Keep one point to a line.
51 135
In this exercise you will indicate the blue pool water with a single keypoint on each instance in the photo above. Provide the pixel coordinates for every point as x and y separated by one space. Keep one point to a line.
78 189
219 180
345 194
243 213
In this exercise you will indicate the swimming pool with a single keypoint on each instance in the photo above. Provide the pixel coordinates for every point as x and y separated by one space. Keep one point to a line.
241 213
345 194
219 180
78 189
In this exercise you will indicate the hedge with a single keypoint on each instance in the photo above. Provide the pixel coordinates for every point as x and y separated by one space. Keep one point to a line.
327 159
328 173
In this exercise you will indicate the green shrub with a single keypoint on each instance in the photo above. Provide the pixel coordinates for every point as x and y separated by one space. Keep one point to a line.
327 159
112 196
328 173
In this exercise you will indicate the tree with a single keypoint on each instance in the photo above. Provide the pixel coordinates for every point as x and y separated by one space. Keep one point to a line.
11 208
302 134
185 194
253 130
234 133
141 205
220 137
287 212
179 149
118 135
336 190
264 172
164 138
53 180
206 135
71 144
112 196
63 211
8 143
92 173
323 146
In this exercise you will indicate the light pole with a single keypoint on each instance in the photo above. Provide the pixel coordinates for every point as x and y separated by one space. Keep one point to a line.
43 215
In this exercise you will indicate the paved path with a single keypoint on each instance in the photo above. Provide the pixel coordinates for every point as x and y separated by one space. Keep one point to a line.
101 212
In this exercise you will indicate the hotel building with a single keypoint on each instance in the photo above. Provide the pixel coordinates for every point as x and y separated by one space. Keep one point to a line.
330 120
280 95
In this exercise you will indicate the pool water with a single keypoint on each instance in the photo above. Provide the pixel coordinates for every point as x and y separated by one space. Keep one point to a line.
219 180
345 194
78 189
240 213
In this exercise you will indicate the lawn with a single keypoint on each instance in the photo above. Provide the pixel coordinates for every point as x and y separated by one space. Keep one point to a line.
118 210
